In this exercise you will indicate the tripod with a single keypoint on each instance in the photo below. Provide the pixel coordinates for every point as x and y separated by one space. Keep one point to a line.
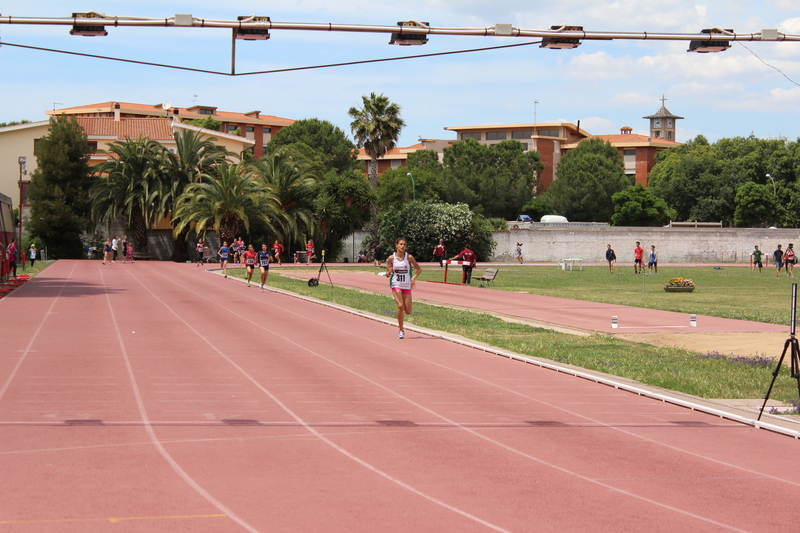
313 282
794 356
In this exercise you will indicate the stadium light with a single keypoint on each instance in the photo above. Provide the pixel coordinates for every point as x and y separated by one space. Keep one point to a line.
561 43
88 30
709 46
406 39
252 34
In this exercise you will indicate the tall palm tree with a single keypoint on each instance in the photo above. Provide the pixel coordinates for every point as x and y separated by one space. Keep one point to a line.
289 183
376 127
193 157
225 201
129 184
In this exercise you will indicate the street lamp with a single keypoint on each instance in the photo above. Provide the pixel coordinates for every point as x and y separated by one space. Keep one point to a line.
413 187
21 160
774 190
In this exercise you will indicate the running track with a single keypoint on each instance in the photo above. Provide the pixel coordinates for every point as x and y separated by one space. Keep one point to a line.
158 397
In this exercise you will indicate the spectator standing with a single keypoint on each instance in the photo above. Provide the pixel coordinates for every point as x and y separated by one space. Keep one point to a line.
638 253
12 258
377 253
439 252
468 258
124 248
611 257
777 258
652 264
310 251
789 259
32 253
200 249
115 248
756 260
107 251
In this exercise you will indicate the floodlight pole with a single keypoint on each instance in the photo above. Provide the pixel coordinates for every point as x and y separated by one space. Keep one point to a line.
21 160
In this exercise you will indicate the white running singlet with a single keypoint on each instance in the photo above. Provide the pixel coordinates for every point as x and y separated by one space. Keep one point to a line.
401 273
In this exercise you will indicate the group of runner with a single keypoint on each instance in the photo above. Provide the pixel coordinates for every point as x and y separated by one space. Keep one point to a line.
239 254
782 259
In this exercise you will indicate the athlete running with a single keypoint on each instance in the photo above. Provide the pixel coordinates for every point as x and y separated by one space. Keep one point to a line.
398 268
263 264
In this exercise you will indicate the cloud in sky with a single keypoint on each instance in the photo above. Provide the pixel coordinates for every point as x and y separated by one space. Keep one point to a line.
605 84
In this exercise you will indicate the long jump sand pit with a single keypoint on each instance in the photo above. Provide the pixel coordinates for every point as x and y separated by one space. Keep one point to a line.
741 344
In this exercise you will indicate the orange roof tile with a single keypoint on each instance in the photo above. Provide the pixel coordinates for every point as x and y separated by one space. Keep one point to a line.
157 129
157 110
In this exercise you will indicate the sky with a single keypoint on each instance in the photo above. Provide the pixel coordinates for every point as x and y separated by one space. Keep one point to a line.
605 85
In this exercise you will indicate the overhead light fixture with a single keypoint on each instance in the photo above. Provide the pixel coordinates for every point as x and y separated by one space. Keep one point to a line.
252 34
561 43
407 39
85 29
705 47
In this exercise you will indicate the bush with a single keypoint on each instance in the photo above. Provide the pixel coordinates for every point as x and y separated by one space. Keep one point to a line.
422 224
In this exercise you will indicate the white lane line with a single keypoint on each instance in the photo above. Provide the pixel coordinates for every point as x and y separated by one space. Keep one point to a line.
146 421
419 406
35 335
307 425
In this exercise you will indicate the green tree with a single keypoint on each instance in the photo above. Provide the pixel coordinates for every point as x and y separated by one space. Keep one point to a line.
288 182
637 206
536 208
587 178
342 207
226 201
376 127
756 206
494 180
422 224
193 157
329 143
130 184
59 189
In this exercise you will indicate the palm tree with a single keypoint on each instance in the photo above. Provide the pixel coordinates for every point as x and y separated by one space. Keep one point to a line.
224 201
376 128
193 157
129 184
289 183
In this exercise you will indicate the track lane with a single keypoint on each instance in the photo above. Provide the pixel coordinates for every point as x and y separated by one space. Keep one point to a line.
452 423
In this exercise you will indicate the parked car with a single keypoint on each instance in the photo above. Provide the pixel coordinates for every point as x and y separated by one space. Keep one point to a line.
524 218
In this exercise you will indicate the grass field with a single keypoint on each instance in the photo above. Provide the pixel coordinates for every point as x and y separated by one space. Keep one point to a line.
705 375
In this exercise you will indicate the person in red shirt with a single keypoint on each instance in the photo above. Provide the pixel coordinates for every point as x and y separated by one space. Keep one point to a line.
249 260
469 257
277 250
638 252
310 251
439 252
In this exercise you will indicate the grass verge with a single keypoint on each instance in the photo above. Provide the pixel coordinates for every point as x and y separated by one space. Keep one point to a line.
704 375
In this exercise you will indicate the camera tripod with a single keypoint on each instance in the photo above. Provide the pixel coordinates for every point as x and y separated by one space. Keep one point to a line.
313 282
791 346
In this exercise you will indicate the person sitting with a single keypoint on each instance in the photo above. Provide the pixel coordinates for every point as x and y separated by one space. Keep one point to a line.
362 258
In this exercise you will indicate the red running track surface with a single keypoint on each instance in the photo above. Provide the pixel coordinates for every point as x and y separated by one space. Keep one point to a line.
157 397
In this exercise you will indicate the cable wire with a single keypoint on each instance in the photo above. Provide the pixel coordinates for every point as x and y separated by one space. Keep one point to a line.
274 71
770 66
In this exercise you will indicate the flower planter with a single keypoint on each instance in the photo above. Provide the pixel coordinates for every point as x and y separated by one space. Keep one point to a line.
679 289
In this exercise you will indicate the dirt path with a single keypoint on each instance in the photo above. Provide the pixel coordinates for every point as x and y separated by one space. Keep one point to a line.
746 344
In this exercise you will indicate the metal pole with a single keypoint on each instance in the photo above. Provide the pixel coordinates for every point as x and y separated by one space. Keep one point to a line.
413 187
22 160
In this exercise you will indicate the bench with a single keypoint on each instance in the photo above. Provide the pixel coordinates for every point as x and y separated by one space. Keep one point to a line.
488 276
143 256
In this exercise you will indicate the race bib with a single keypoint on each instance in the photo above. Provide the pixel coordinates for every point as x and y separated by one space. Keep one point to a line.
251 261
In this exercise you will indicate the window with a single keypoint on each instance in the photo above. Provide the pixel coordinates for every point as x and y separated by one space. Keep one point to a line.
669 135
92 146
525 134
267 130
524 147
202 111
231 127
470 135
548 133
495 135
629 157
250 129
396 163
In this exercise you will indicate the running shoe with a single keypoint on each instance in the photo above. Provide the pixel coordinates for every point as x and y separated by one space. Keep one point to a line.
262 289
401 335
248 283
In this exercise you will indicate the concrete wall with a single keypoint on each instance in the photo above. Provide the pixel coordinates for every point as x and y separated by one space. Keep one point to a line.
674 245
